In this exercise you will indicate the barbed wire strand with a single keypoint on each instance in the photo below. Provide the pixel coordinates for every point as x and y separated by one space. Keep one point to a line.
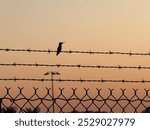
76 80
77 51
74 66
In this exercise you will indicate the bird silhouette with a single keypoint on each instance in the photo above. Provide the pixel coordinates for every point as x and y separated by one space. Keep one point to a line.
59 48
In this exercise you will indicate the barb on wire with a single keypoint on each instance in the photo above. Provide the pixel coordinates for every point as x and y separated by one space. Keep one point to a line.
77 51
77 80
75 66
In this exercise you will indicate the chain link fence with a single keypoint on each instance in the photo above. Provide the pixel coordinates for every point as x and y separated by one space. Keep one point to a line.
73 101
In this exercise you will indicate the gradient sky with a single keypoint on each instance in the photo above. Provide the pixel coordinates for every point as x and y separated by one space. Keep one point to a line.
98 25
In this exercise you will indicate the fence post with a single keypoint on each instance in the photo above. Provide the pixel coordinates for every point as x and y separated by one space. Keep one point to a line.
53 92
0 104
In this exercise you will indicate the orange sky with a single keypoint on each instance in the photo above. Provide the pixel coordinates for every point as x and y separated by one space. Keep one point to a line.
98 25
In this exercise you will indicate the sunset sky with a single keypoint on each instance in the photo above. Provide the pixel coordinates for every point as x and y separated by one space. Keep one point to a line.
97 25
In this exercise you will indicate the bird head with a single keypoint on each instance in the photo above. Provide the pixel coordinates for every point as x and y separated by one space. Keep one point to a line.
60 43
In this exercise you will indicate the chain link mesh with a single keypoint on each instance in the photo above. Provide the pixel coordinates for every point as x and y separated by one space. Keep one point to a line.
73 102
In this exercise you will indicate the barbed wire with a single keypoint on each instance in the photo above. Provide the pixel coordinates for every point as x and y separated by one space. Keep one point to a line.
75 66
77 51
76 80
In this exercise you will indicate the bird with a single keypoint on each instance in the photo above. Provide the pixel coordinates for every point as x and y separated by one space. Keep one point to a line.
59 48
